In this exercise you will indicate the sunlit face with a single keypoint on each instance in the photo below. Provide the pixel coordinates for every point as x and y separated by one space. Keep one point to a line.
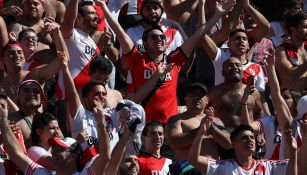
51 130
29 95
154 138
29 42
98 93
33 9
238 43
152 13
89 18
129 166
244 143
14 57
232 70
156 41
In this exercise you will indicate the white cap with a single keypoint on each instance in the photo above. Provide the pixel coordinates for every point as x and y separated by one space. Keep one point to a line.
301 107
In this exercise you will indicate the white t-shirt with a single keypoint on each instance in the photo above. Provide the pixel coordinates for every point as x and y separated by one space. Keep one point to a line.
85 119
258 167
36 169
36 152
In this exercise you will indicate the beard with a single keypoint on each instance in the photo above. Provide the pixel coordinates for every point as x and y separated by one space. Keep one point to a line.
90 25
153 21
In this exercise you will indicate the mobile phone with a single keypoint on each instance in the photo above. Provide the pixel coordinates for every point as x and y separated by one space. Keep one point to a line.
251 80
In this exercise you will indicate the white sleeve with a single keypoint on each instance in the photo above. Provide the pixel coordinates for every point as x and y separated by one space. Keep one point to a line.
36 152
76 123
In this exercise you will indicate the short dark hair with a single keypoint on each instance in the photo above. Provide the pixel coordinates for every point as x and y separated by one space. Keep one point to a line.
87 88
233 32
239 129
101 65
23 32
82 4
151 123
40 121
293 19
146 32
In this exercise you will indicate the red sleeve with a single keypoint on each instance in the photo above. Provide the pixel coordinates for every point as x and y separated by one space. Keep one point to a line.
132 57
177 56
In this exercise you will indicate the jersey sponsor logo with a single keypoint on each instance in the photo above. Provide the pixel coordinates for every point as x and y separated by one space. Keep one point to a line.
157 172
89 50
148 73
277 139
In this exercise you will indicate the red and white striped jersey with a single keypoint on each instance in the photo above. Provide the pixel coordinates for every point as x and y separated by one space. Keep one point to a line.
82 50
256 70
231 167
151 165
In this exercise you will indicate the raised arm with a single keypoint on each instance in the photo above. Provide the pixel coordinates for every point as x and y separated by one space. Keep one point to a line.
100 163
14 150
281 108
70 18
45 72
71 94
3 33
194 157
263 24
124 40
178 10
245 118
302 156
207 43
292 168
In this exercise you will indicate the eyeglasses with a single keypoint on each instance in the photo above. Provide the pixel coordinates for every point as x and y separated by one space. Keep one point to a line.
157 37
29 90
32 38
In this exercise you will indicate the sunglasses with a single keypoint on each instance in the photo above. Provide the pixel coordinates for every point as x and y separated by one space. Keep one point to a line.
32 38
31 90
157 37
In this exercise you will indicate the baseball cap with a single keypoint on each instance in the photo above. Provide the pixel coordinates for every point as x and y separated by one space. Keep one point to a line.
145 2
197 85
301 107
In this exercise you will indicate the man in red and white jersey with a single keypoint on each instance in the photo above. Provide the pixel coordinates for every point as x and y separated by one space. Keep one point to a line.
244 144
163 103
151 161
80 20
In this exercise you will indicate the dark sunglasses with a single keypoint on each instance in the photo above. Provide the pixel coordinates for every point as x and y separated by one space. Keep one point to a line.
157 37
33 90
32 38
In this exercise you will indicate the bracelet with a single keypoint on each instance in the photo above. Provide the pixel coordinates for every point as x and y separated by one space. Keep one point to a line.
243 104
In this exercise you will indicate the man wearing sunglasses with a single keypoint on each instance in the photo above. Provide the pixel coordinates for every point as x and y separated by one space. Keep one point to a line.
30 97
163 103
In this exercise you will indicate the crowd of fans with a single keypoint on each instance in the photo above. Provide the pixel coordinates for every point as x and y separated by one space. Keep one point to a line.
153 87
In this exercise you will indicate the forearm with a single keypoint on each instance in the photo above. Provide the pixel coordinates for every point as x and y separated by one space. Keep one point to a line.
104 148
258 18
112 53
183 140
292 168
222 137
141 94
70 17
302 158
117 154
3 33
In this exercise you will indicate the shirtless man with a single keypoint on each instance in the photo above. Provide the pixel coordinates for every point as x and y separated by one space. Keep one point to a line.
100 70
292 57
30 99
226 97
182 128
